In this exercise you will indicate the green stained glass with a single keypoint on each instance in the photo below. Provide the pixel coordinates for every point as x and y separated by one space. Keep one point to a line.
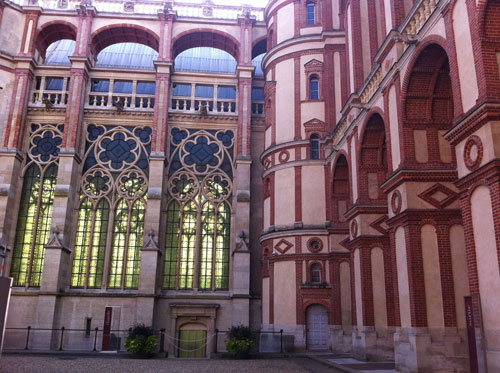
33 225
187 246
119 244
83 236
90 238
207 245
136 234
172 245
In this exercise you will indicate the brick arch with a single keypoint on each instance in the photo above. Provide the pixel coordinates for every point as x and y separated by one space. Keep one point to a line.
372 155
428 104
320 302
51 32
423 78
341 196
205 38
322 266
123 33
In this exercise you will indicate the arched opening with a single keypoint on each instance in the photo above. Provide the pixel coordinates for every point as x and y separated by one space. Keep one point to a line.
258 52
314 142
51 34
340 190
123 34
192 341
127 56
373 160
317 327
206 60
428 111
205 39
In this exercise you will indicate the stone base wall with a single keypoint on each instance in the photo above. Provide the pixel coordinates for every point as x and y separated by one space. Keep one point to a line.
341 339
431 350
373 344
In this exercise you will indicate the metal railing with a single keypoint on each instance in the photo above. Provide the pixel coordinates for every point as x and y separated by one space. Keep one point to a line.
60 339
68 339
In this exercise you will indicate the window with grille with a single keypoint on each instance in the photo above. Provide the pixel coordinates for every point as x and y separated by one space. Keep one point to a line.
37 199
110 225
310 13
314 88
315 273
199 210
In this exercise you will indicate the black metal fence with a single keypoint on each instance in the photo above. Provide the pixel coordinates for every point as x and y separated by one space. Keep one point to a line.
67 339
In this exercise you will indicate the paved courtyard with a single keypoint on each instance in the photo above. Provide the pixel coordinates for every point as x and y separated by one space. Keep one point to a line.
13 363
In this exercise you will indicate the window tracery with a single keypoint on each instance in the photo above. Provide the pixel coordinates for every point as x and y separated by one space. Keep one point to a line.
199 212
37 198
110 226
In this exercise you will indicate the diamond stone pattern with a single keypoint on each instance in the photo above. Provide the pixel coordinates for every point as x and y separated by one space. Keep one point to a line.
439 196
283 246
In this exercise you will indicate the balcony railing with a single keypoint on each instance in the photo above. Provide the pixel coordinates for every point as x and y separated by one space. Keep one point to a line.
99 100
50 92
196 105
121 94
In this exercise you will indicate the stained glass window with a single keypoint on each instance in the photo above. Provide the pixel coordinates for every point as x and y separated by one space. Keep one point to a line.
112 208
37 199
199 212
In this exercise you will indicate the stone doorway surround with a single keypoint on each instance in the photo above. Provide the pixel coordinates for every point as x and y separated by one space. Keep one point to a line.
188 313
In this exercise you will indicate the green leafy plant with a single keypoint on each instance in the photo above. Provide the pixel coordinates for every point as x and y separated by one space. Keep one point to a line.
141 340
240 340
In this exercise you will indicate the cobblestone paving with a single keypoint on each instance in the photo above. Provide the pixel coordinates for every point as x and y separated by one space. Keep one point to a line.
70 364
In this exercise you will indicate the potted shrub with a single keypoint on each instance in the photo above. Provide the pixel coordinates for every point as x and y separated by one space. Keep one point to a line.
141 341
239 341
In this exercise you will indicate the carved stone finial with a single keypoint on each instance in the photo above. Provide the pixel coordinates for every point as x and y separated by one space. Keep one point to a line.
242 245
55 239
150 242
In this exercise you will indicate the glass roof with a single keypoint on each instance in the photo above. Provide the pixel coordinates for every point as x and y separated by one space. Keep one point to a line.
138 56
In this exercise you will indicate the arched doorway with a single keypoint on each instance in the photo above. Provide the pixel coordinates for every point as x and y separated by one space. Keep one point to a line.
317 327
192 341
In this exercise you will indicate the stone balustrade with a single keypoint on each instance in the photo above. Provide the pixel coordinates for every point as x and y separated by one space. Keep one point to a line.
153 7
422 12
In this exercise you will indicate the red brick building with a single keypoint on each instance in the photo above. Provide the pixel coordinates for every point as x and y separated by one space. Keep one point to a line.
349 195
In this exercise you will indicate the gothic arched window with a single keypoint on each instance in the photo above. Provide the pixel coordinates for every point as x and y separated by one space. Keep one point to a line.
35 211
199 210
112 203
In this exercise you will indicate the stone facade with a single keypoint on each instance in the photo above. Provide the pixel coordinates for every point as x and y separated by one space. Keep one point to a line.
362 193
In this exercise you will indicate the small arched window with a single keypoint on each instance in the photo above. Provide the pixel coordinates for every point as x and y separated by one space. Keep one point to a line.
310 13
314 88
316 273
314 143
